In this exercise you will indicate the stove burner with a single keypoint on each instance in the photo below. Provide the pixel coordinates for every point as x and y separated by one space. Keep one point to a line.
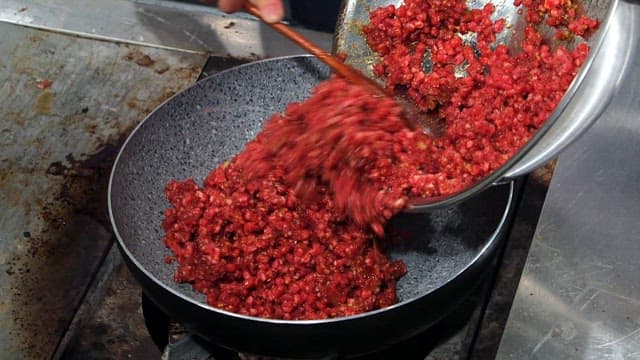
178 344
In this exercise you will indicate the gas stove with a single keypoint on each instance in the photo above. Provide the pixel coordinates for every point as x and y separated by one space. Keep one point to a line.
472 330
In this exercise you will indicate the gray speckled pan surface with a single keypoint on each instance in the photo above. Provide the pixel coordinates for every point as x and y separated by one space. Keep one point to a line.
210 122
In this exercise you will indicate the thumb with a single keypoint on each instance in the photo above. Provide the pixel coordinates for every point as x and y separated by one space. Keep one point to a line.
272 10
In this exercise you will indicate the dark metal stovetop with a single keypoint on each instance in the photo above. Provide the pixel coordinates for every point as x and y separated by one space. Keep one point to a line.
67 104
66 273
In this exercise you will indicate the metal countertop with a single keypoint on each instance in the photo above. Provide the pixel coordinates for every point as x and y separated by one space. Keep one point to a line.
579 295
165 24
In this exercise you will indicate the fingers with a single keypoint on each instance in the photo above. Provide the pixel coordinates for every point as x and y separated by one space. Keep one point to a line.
271 10
230 5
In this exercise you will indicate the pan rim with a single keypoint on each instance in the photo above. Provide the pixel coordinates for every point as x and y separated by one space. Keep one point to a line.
491 242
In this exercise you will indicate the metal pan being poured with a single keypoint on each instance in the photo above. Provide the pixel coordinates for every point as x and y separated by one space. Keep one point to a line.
595 82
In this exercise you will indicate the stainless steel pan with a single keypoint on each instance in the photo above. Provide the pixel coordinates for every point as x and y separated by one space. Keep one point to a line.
587 97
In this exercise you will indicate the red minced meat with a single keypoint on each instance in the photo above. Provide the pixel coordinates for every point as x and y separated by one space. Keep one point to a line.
287 229
252 248
354 142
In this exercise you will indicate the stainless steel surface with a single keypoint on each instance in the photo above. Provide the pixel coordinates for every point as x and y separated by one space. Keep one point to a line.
55 143
579 296
586 98
158 23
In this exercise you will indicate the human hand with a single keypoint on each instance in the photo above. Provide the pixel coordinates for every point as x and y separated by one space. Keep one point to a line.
271 10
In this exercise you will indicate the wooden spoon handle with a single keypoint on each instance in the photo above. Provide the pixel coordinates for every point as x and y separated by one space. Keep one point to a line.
336 65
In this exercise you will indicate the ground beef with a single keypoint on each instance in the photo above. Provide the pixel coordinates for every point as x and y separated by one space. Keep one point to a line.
253 248
351 141
291 227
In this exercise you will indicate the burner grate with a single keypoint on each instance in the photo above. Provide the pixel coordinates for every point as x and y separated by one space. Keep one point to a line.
453 334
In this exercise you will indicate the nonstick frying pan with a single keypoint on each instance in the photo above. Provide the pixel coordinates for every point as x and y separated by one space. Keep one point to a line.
446 253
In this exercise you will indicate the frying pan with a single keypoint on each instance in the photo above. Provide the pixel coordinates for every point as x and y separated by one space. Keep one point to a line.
446 250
